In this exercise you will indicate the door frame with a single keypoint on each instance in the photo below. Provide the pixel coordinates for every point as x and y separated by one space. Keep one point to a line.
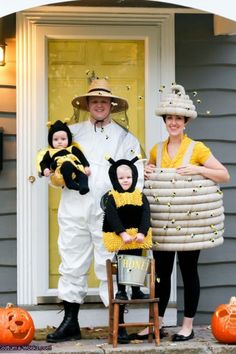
33 28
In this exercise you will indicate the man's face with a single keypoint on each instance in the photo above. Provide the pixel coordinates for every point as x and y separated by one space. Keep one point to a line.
99 107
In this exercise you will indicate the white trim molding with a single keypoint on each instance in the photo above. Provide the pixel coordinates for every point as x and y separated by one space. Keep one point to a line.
33 27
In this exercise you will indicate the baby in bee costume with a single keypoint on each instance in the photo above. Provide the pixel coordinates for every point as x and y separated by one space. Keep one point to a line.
65 159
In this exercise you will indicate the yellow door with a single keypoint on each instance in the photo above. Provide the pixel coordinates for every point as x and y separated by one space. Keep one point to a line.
70 64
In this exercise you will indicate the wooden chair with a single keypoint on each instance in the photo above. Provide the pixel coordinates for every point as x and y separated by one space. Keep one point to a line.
114 306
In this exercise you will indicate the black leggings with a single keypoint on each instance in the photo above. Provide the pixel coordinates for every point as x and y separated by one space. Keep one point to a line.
188 261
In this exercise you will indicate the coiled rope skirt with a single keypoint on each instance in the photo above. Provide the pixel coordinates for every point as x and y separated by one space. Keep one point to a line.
187 212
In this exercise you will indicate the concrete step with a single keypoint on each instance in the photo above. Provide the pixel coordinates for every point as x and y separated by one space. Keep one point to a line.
202 343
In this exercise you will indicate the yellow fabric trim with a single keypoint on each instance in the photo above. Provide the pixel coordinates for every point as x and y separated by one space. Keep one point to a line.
57 179
72 159
53 151
121 199
76 145
42 152
39 157
114 242
199 156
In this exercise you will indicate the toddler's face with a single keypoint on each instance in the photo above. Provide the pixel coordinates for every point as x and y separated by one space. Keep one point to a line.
124 176
60 140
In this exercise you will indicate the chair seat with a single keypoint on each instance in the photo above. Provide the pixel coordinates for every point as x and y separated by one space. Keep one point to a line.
136 301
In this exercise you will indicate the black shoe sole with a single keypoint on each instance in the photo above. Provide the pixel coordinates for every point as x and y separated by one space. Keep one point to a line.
123 340
136 336
139 296
121 296
67 339
180 338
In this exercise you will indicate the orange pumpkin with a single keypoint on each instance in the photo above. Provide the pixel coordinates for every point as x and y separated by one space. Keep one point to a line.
16 326
223 323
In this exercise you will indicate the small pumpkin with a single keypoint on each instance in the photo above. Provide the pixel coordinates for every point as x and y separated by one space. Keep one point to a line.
16 326
223 322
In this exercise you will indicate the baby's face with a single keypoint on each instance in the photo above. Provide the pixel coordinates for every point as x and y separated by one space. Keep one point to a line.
60 140
124 176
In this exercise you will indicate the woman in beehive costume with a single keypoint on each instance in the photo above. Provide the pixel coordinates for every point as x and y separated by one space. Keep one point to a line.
185 166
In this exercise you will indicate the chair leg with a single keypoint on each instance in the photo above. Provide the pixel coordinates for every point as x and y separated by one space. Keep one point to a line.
151 334
115 324
156 324
111 321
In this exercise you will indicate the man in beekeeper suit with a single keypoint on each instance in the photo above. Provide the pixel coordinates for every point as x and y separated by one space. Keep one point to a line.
80 216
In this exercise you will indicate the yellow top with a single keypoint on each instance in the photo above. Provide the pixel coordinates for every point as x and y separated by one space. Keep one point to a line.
199 155
122 199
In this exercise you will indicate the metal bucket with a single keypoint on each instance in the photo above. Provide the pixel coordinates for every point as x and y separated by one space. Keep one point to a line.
132 270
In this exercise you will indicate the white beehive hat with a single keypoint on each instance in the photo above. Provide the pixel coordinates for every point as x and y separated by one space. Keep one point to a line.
176 103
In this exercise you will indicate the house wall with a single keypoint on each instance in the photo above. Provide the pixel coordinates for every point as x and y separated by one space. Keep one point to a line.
8 282
206 64
203 63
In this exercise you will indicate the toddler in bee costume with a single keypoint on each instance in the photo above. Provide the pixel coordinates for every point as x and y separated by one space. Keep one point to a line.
65 159
126 226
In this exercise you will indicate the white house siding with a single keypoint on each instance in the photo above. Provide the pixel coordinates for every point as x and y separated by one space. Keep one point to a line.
203 63
8 285
206 64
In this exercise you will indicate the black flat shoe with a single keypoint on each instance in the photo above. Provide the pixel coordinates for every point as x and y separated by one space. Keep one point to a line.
163 333
121 295
139 295
123 337
180 338
83 191
136 336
